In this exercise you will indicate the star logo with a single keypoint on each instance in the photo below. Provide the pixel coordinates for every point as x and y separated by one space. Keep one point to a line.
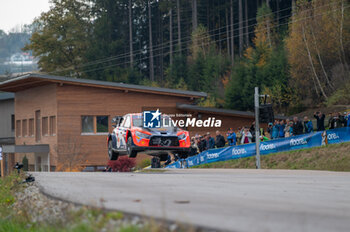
151 119
156 115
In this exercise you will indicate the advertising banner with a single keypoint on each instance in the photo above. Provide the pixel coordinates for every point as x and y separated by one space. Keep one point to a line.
314 139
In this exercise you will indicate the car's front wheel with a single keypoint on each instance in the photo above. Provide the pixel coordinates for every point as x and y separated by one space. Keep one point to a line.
131 153
112 155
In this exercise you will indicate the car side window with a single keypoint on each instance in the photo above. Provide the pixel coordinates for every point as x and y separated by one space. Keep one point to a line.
127 122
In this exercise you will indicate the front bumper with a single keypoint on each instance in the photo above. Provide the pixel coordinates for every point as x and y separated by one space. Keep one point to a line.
151 149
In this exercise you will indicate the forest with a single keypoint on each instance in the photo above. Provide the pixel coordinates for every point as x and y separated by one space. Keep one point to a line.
296 51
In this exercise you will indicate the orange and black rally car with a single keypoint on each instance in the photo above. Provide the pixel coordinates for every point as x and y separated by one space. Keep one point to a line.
129 137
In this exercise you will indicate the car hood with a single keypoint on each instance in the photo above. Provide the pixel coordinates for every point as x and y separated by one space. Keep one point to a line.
170 131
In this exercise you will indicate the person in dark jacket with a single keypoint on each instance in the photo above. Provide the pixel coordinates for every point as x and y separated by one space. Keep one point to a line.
210 141
281 129
202 144
320 120
308 126
220 140
335 121
297 126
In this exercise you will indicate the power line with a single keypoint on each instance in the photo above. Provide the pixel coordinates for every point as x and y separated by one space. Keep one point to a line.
208 43
160 47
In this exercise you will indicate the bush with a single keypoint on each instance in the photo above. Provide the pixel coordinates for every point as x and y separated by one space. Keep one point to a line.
123 164
25 163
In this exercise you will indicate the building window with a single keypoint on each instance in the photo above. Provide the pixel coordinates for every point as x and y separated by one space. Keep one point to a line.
87 124
24 127
102 124
52 125
12 122
31 127
18 128
94 124
45 126
37 126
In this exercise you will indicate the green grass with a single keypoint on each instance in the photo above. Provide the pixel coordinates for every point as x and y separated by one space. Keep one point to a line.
335 157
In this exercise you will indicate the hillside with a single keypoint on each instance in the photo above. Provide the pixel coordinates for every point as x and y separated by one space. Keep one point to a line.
334 157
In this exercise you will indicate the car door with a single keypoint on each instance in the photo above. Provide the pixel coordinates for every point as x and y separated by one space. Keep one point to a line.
121 141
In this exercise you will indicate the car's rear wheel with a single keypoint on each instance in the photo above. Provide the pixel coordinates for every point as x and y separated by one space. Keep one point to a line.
132 153
112 155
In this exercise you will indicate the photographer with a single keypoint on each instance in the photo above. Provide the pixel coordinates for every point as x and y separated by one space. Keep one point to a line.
320 120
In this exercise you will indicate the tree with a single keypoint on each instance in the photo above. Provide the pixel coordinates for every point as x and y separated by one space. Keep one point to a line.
151 66
178 24
312 59
240 22
194 15
130 35
264 65
232 34
60 40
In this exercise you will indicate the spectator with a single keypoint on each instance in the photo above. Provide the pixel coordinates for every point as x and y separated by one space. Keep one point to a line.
348 119
263 138
231 137
342 119
252 131
275 130
220 140
281 129
210 141
297 126
239 135
308 127
320 120
202 145
330 118
269 129
246 136
288 130
335 121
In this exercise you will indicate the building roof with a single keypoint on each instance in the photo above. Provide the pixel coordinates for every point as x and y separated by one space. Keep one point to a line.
6 96
196 108
215 110
34 80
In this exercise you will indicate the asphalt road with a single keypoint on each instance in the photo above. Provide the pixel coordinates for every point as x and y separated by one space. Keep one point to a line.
234 200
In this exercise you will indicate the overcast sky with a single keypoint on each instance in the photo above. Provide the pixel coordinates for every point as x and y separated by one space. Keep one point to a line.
18 12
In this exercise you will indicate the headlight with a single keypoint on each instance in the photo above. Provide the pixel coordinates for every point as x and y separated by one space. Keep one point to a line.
142 135
182 136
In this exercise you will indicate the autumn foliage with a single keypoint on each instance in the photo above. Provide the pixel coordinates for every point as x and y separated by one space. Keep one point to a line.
123 164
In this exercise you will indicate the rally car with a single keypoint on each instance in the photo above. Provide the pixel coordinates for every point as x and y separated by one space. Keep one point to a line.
129 137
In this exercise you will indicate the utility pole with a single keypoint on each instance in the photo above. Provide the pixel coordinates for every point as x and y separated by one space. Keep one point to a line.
257 127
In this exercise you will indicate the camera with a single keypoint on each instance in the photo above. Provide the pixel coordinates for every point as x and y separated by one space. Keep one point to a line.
18 167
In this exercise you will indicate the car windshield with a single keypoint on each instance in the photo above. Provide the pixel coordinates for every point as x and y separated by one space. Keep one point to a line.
137 120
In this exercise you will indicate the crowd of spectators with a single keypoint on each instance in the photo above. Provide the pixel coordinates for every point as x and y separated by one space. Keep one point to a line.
277 129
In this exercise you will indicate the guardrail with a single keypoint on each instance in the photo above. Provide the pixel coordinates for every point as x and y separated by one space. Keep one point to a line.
314 139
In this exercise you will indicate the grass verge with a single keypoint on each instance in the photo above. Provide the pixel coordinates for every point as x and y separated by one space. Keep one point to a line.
335 157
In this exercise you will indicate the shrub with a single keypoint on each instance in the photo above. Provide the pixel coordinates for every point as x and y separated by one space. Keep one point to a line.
123 164
25 163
